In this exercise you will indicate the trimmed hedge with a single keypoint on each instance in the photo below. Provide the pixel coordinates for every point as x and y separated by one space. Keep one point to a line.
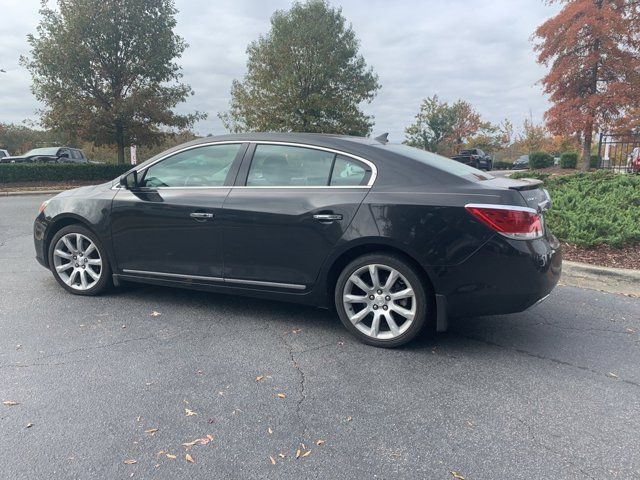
540 160
43 172
593 208
503 165
569 160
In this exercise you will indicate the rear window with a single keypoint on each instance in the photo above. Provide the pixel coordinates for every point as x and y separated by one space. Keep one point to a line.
441 163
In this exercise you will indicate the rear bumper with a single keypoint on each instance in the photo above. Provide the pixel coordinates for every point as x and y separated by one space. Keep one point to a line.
504 276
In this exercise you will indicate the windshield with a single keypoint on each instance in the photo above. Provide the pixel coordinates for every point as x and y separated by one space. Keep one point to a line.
441 163
43 151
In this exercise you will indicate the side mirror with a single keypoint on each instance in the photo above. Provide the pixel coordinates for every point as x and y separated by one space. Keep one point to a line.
130 181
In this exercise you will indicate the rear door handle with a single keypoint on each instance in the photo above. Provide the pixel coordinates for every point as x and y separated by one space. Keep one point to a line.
201 215
327 217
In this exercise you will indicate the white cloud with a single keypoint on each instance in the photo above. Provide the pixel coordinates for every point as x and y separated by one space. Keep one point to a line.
472 49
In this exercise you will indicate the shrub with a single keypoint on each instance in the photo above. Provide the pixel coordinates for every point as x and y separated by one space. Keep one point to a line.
594 161
569 160
42 172
593 208
540 160
502 165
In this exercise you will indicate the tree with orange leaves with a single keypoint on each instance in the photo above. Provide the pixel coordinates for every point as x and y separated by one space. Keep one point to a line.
593 50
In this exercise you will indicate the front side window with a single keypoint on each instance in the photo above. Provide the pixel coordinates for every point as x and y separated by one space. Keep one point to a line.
206 166
285 166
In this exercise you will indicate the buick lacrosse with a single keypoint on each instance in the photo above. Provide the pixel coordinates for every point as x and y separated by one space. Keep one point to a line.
394 238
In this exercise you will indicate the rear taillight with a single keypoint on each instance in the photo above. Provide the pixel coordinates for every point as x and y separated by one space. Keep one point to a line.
520 223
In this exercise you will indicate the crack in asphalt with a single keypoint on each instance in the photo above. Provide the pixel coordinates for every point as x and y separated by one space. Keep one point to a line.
302 395
560 455
542 357
82 349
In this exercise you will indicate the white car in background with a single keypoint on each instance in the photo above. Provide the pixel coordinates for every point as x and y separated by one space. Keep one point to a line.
4 153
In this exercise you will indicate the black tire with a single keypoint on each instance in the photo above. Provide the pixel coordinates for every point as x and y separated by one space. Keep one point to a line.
407 274
103 283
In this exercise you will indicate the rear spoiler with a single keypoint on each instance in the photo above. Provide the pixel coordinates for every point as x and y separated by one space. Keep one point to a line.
527 184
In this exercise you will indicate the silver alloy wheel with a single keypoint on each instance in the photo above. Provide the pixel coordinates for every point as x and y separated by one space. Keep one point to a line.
77 261
379 301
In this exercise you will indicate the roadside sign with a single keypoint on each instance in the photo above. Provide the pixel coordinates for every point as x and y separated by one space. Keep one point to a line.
134 158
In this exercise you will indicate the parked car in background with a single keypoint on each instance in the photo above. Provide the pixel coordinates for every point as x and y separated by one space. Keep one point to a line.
522 161
633 161
475 158
49 155
3 153
391 236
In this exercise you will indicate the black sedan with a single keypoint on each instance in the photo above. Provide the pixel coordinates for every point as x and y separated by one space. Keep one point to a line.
49 155
394 238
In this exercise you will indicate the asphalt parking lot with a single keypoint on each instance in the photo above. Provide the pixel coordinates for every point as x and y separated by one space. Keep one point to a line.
101 383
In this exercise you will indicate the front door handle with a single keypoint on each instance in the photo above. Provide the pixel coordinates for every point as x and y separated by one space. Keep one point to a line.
201 215
327 217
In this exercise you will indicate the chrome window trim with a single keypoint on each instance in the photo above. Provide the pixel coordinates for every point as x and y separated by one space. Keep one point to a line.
372 166
292 286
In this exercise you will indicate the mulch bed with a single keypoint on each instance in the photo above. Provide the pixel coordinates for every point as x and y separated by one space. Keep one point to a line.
604 256
27 186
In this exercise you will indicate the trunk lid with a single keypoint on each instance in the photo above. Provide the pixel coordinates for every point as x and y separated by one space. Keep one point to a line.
530 189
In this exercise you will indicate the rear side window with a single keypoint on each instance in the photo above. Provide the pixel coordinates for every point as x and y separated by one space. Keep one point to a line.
287 166
437 161
348 172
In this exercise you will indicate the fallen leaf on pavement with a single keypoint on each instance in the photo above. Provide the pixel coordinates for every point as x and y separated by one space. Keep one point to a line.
612 375
296 330
190 413
10 403
630 330
307 453
457 475
29 425
298 452
272 460
348 419
281 395
269 431
151 431
281 455
172 457
320 442
191 444
130 462
259 377
189 458
210 437
155 314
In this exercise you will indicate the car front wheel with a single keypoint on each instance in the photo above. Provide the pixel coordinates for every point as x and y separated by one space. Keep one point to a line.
381 300
78 261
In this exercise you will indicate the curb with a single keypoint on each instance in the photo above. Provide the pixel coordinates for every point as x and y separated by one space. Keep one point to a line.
612 280
30 192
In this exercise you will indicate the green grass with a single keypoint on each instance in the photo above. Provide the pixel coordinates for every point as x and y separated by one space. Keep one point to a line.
591 209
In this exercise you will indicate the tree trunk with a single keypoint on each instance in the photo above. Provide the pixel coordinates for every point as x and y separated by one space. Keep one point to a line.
120 142
586 146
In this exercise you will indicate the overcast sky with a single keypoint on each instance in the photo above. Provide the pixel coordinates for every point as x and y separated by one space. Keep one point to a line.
478 50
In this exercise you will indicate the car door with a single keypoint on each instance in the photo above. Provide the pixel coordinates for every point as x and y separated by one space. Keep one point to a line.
290 206
169 227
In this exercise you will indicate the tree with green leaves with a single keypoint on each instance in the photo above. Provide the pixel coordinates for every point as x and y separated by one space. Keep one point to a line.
440 127
305 75
106 70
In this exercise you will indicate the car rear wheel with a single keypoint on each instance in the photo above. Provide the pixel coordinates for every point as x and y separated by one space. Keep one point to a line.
381 300
78 261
